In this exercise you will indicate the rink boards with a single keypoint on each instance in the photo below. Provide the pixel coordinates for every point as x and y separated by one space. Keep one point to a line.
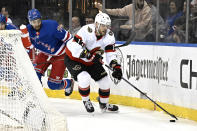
165 72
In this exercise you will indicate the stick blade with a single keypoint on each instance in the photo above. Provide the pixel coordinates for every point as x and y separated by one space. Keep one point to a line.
129 40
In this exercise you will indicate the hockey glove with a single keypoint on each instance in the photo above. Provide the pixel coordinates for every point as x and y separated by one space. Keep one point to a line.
117 71
97 58
85 54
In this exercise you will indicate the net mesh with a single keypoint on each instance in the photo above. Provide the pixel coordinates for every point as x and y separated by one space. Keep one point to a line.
23 102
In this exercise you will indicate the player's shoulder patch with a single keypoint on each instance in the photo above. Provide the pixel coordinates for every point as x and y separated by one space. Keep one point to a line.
111 33
89 29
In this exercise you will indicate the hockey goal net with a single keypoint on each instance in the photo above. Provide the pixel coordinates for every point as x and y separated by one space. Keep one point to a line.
23 102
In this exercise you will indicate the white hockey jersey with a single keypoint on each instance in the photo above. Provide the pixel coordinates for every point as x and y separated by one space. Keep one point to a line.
89 39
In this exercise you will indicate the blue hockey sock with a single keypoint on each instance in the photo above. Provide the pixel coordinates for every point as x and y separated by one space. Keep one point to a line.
67 83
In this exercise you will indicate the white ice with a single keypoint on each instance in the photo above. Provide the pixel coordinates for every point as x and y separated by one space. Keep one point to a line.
127 119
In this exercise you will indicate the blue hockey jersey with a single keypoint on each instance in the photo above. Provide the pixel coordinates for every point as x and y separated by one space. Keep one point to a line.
50 39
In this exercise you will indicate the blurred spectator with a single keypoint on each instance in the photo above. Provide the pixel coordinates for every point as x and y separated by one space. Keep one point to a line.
193 21
143 20
161 23
194 8
181 21
76 25
154 13
174 14
77 21
178 36
5 12
59 16
194 3
90 15
77 12
89 19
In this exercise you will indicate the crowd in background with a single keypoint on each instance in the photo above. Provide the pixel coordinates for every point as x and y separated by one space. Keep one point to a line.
171 19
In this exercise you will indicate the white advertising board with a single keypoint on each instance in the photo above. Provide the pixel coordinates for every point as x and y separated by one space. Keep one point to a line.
167 74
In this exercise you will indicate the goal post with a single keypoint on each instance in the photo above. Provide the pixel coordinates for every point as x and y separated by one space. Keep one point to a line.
23 102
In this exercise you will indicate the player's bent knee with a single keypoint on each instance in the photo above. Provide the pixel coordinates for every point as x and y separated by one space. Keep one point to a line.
84 79
55 86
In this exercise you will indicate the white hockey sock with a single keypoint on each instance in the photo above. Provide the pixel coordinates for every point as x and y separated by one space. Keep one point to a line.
104 100
85 98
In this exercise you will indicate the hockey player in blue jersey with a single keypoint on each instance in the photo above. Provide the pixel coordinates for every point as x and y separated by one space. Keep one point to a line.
50 40
4 25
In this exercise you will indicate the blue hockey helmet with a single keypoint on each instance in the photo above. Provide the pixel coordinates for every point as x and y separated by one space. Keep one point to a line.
33 14
2 19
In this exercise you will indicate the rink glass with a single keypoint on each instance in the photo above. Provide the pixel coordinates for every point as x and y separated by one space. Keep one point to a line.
60 10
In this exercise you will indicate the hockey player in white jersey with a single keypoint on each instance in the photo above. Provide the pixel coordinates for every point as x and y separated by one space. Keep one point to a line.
84 58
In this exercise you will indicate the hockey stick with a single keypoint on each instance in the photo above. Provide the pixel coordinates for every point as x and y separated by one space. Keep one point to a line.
130 39
145 95
8 115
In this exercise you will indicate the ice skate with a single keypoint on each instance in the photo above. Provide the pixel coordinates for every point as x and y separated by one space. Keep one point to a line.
69 90
88 105
106 107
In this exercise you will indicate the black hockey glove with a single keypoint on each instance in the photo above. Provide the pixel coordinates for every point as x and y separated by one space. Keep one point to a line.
97 58
85 54
117 71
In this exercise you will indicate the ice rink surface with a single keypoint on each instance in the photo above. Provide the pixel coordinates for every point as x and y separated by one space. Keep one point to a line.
127 119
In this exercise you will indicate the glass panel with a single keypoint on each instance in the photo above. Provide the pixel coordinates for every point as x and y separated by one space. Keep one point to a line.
55 10
121 15
83 12
49 9
171 20
117 19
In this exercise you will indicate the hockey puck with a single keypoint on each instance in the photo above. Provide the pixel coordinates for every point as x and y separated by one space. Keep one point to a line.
172 120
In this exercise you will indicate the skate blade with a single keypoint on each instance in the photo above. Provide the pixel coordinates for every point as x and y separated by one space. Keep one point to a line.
107 111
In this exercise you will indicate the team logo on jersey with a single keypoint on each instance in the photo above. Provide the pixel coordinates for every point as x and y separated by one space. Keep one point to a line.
46 45
52 49
76 67
57 77
89 29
